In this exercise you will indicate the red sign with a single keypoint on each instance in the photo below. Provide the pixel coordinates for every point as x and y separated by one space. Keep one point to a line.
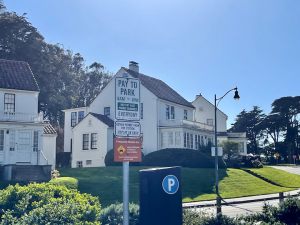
127 149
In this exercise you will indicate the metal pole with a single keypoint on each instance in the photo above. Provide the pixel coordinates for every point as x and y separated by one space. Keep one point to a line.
218 202
125 193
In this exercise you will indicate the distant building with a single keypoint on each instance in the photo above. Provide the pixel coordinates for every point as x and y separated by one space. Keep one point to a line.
167 121
27 142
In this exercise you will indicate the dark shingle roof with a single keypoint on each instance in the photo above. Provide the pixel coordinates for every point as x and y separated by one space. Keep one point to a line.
105 119
159 88
48 129
17 75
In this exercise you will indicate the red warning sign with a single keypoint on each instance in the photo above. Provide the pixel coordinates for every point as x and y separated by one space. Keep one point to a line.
127 149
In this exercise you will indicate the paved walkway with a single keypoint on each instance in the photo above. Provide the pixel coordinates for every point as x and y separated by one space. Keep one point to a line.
291 169
239 206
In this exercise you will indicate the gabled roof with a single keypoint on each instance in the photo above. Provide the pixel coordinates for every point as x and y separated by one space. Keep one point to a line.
48 129
17 75
105 119
159 88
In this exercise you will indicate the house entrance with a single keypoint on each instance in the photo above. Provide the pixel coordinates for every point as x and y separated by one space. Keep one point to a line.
24 147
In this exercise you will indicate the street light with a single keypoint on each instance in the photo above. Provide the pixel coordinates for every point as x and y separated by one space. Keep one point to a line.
217 101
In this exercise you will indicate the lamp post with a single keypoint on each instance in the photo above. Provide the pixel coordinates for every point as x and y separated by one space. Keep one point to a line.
217 101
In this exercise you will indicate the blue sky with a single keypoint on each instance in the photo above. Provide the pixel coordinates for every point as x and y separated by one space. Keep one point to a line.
195 46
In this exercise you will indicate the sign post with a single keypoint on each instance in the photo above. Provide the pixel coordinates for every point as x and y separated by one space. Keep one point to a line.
127 138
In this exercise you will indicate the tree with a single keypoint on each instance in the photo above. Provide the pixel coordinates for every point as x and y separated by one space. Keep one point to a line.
288 109
230 148
249 122
64 79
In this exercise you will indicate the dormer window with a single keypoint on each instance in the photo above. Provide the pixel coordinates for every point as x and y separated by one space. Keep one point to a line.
9 103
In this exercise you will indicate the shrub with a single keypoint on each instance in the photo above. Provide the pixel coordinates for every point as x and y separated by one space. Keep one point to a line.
113 214
180 157
68 182
47 204
191 217
289 211
109 160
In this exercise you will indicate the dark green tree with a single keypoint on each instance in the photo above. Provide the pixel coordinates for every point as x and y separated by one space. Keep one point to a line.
249 122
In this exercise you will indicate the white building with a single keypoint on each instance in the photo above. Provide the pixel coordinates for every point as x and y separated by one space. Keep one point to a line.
167 121
27 143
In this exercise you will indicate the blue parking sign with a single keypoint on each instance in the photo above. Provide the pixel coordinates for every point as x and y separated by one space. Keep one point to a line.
170 184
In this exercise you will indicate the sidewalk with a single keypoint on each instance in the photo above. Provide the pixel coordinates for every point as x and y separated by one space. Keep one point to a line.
241 200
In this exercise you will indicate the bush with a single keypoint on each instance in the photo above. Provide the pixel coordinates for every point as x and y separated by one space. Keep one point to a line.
191 217
47 204
113 214
289 211
180 157
109 160
68 182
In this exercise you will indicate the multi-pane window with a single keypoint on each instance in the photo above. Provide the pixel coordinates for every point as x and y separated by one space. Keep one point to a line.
172 113
94 140
142 111
35 141
80 116
167 112
191 141
12 140
202 141
107 111
88 162
210 122
73 119
85 142
170 138
184 140
177 138
185 114
79 164
1 140
9 103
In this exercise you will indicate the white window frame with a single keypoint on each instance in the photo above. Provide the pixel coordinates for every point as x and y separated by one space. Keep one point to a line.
170 138
35 143
79 115
9 103
185 114
73 119
172 112
94 140
88 162
79 164
1 140
85 141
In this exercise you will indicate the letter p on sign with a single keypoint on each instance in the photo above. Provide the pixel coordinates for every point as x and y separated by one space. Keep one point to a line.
170 184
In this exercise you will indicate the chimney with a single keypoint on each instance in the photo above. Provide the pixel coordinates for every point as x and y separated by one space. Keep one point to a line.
134 66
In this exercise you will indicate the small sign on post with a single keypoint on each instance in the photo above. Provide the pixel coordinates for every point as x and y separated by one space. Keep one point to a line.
220 151
127 149
127 129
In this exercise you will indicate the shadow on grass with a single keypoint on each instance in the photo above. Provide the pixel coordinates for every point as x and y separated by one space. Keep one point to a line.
199 184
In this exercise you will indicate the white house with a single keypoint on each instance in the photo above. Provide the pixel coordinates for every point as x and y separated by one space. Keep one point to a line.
167 121
205 113
27 143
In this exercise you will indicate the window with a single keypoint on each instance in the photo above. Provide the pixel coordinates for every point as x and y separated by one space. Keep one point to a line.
170 138
71 145
241 147
185 114
210 122
177 138
191 141
1 140
12 140
202 141
80 116
73 119
106 111
35 141
167 112
172 113
184 140
9 103
142 111
196 142
187 140
85 142
88 162
94 141
79 164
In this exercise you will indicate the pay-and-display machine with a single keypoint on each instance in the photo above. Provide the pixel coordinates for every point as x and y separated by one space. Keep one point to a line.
160 196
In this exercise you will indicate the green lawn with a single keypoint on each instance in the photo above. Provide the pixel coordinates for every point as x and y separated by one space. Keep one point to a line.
197 184
279 177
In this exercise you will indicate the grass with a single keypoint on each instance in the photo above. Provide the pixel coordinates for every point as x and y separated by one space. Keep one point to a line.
197 184
279 177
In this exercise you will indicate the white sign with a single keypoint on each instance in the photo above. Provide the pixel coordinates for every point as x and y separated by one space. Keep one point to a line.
127 98
127 129
220 151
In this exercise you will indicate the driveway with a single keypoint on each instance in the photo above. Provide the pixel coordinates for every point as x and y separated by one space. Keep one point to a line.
290 169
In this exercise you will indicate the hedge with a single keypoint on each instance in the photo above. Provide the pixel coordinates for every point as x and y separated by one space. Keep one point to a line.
181 157
69 182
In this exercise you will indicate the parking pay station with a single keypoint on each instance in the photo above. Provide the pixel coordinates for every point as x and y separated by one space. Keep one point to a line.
160 196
